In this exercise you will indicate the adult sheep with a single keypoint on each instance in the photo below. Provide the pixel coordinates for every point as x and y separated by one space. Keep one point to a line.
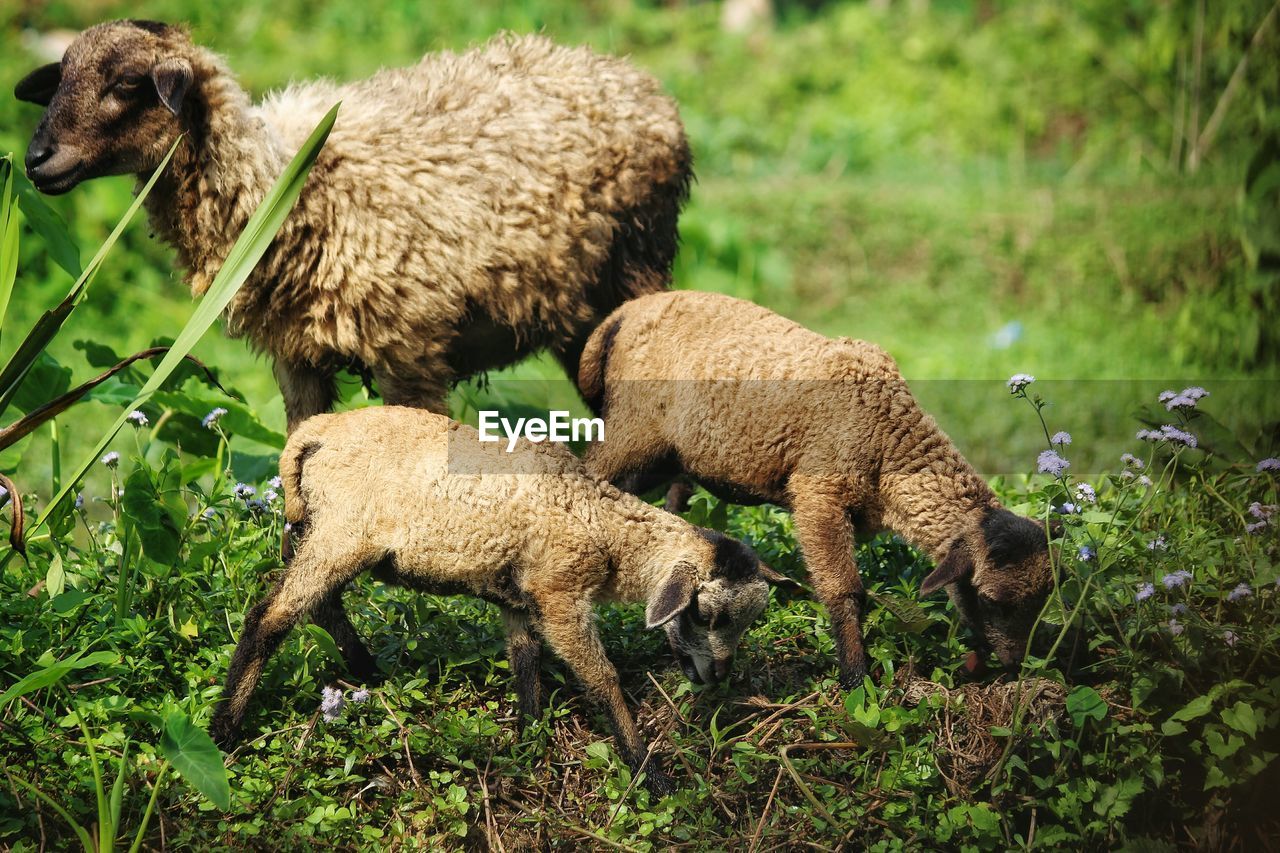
760 409
465 212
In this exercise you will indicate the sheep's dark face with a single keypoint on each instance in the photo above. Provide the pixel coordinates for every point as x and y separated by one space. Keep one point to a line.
998 577
112 104
705 619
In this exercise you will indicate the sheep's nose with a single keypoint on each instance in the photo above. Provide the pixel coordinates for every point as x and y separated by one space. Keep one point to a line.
722 668
39 153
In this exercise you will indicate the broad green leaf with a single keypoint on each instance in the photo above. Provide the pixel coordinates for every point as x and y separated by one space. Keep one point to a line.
68 601
1197 707
45 380
197 399
194 755
1242 717
53 673
55 579
153 516
1084 703
325 641
8 235
51 321
49 225
243 257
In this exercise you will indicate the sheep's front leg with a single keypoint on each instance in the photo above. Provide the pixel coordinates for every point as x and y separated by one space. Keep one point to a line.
306 390
524 650
308 581
331 615
570 629
826 539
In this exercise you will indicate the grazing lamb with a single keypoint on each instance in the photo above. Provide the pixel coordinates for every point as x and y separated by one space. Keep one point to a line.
465 211
758 408
420 501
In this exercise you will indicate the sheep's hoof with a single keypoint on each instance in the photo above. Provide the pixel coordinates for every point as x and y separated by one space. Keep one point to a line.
225 733
851 676
659 783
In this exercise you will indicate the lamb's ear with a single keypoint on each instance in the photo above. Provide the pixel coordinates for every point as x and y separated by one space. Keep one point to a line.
777 578
172 78
956 565
673 595
38 86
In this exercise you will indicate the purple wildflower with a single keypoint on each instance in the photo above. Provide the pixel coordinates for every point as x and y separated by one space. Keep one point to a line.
1060 439
1175 627
1086 494
269 495
331 703
1018 381
1262 512
1269 464
1085 554
1068 508
275 482
211 419
80 500
1173 580
1185 400
1158 544
1253 528
209 513
1049 462
1242 590
1144 480
1132 461
1229 637
360 696
1144 592
1178 609
244 491
111 460
139 418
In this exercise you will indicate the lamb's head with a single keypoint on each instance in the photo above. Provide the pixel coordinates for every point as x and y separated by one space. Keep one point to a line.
998 575
707 601
113 103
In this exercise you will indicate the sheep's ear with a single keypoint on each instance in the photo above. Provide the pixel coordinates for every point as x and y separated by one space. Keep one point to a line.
956 565
172 78
673 595
38 86
777 578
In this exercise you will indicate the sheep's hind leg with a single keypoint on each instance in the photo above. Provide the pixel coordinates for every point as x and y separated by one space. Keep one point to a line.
826 539
524 650
570 629
331 615
402 385
308 581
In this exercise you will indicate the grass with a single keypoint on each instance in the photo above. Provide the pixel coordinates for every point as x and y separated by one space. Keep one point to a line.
982 191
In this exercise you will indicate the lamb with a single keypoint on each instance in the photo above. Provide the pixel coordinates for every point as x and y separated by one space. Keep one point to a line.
465 211
418 500
759 409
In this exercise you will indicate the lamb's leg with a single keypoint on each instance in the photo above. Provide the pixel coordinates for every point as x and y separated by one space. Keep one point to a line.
306 390
331 615
413 386
570 629
826 539
308 581
524 650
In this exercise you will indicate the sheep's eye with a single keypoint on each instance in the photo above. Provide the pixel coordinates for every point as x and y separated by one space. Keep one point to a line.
129 82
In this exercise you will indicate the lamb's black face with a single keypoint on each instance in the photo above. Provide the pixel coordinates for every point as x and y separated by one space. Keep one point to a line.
111 104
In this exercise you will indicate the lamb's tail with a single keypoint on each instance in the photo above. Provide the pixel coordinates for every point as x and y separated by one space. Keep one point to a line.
303 443
595 361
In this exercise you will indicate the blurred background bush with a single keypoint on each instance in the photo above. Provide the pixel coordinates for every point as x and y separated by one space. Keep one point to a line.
1061 188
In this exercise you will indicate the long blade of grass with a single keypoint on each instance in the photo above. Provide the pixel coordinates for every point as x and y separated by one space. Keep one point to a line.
243 257
51 321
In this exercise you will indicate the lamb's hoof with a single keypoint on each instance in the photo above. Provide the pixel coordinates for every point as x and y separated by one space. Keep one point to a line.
658 783
851 676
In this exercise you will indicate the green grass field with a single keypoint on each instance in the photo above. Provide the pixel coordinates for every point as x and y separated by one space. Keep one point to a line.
981 188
